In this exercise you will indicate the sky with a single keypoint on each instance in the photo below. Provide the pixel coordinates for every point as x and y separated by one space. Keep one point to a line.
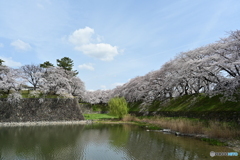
110 41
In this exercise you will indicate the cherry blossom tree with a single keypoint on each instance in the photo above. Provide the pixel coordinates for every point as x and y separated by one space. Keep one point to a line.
212 69
9 79
77 86
98 96
54 79
57 80
32 74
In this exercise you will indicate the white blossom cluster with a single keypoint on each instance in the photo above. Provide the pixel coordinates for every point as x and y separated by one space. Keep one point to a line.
14 98
64 94
34 94
97 97
54 80
10 79
212 69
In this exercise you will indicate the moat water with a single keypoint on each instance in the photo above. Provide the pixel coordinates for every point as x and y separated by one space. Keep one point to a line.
100 142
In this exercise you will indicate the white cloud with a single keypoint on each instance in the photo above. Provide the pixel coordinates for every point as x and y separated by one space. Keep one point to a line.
20 45
81 36
83 41
1 45
10 63
102 51
88 66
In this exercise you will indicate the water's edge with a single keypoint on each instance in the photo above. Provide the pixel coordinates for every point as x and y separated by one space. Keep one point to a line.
43 123
231 144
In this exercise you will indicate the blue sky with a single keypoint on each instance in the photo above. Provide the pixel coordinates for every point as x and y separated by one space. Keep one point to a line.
110 41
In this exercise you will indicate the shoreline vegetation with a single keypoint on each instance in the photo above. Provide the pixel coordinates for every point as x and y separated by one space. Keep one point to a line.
213 132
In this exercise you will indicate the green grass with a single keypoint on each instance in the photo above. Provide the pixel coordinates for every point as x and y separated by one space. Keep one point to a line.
96 116
134 106
198 102
25 93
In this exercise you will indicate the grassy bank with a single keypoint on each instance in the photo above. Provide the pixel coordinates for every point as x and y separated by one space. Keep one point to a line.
97 116
213 129
213 132
197 102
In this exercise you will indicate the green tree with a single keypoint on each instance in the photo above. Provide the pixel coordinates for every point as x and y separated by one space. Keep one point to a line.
46 64
1 61
118 107
66 63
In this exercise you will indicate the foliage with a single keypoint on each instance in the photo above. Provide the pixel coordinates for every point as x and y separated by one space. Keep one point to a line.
99 108
66 63
46 64
1 61
118 106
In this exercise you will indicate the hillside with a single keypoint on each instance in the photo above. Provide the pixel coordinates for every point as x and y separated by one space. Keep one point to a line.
196 102
191 106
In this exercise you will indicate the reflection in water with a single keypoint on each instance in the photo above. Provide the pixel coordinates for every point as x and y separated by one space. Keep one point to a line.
99 142
42 142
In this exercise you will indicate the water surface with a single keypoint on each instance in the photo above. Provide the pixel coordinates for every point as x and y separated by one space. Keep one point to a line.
100 142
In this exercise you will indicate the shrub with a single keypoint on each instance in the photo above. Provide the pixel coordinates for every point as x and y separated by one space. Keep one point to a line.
118 107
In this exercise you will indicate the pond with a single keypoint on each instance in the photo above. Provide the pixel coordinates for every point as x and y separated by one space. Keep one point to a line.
100 142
